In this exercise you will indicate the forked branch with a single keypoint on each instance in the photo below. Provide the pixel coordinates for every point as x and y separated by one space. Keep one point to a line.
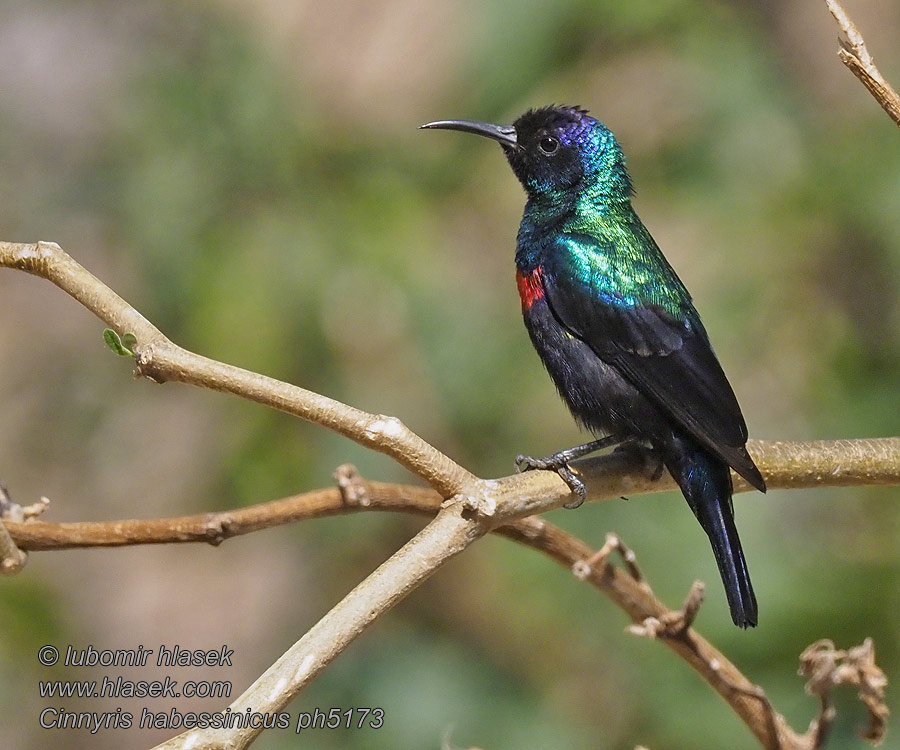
626 587
468 508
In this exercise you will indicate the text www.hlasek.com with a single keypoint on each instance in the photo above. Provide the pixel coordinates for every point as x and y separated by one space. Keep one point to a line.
333 718
122 688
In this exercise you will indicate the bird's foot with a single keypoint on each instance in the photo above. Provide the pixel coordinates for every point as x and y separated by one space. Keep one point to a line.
559 462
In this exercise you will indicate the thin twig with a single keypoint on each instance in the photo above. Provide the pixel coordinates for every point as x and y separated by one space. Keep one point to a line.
855 55
637 600
215 528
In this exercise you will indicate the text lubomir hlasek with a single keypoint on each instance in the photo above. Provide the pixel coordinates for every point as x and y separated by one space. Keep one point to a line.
174 656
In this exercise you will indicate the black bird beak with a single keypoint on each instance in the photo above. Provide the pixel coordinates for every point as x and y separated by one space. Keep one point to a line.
505 135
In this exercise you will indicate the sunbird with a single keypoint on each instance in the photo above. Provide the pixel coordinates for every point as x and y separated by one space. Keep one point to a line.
616 328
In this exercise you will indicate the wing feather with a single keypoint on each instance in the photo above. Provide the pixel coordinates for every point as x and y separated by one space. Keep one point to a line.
667 357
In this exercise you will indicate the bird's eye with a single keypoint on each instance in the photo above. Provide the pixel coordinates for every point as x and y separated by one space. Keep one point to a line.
548 145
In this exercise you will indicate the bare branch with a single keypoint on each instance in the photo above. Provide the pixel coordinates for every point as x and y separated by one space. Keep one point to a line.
160 360
626 587
825 463
855 55
446 536
215 528
785 465
635 597
454 528
497 505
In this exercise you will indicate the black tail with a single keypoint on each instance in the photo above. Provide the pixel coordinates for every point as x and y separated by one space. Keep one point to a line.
706 483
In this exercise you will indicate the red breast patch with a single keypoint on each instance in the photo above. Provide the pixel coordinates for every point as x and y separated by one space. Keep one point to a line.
531 288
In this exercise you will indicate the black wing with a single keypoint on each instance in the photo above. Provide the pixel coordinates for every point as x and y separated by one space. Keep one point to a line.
670 361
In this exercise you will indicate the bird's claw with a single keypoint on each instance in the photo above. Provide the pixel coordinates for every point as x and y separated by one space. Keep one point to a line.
575 485
558 464
528 463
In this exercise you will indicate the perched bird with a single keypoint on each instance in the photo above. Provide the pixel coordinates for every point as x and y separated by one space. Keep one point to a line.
616 328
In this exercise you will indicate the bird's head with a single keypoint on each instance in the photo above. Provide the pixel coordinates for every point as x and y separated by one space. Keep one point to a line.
556 150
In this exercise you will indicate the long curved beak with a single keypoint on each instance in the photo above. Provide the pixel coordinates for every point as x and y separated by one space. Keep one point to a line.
505 135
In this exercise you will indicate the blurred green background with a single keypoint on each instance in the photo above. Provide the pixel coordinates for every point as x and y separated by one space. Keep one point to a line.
249 175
